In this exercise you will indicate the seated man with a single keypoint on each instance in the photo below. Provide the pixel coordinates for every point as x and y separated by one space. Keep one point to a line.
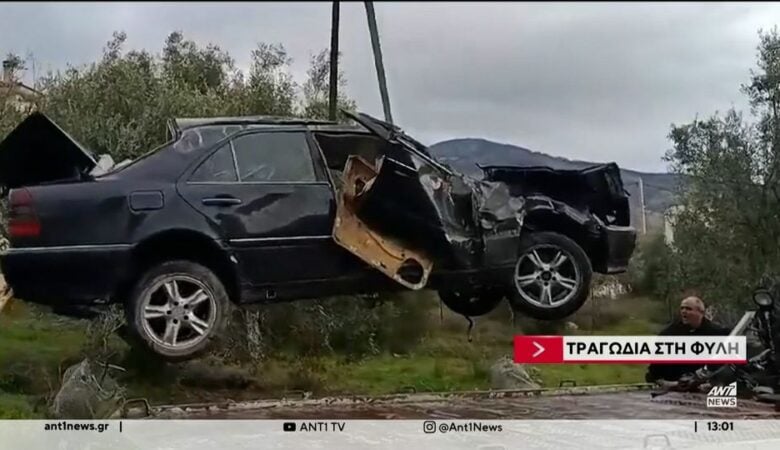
692 323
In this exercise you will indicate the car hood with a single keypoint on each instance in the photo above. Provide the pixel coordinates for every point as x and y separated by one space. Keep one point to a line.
39 151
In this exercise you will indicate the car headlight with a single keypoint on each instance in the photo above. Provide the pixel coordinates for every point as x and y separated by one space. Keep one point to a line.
763 298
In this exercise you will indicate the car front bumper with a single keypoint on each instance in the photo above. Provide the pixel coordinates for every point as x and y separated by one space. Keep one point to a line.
65 275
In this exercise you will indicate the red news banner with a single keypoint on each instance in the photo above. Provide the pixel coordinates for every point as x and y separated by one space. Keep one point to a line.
630 349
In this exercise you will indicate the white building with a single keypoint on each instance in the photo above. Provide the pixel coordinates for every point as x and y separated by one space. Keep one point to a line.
669 222
17 93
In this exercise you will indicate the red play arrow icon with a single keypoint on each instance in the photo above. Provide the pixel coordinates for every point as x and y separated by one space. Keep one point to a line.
539 349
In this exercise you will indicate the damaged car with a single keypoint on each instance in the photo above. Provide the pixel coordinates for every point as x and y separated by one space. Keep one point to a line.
249 210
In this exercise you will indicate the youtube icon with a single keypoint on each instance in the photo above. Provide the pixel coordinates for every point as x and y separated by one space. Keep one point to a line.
539 349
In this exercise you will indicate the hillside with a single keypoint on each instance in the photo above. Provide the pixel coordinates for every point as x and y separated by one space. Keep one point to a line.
464 154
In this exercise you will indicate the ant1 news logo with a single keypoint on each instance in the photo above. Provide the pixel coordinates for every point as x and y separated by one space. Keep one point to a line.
723 396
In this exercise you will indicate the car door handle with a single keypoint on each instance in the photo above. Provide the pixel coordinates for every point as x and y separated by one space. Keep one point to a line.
221 201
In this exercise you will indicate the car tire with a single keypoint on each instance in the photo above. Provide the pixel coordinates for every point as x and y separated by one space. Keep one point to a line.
542 290
471 304
176 310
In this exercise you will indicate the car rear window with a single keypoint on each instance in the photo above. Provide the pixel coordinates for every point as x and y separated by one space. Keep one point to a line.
195 138
274 157
219 167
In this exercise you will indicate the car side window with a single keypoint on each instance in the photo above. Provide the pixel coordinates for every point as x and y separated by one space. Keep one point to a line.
274 157
219 167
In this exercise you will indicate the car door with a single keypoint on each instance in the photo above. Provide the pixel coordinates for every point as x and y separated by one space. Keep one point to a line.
269 198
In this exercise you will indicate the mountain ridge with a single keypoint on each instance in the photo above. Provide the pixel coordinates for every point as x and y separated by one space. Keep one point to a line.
457 141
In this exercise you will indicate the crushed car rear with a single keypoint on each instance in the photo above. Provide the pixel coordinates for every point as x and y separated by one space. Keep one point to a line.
451 224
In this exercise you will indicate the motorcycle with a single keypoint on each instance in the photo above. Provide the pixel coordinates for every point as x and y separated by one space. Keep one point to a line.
759 379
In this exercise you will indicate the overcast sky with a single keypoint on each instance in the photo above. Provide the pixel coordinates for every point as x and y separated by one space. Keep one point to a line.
598 82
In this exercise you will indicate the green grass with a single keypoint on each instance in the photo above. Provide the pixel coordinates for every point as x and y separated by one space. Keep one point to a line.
388 374
34 347
591 374
35 339
15 406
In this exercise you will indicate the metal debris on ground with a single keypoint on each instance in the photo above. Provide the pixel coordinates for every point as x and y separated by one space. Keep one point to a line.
88 392
133 413
471 327
5 294
505 374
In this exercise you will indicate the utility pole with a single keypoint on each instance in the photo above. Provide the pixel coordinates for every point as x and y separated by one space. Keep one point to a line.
380 69
334 61
642 199
31 58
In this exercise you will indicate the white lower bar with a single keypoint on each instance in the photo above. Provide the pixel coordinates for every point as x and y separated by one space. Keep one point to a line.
430 434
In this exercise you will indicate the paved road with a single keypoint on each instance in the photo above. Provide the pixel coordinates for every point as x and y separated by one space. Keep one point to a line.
615 405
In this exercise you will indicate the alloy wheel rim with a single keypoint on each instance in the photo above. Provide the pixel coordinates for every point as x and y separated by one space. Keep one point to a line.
547 276
179 312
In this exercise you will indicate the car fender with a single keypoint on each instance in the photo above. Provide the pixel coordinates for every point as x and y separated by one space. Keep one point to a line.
546 214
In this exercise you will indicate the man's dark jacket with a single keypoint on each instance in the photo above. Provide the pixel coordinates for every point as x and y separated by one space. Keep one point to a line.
673 372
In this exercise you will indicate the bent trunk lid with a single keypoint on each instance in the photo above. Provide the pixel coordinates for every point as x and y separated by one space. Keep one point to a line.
39 151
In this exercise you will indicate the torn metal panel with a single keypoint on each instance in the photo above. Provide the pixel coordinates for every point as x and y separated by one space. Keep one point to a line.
501 218
407 266
543 203
480 218
456 221
598 189
465 220
440 214
442 218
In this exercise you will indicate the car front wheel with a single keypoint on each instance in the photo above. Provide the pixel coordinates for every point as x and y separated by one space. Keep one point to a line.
551 278
176 309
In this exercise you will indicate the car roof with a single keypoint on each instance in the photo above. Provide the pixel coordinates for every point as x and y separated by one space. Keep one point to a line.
177 126
180 124
184 123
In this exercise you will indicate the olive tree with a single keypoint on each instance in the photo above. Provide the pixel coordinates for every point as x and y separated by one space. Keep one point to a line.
728 234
